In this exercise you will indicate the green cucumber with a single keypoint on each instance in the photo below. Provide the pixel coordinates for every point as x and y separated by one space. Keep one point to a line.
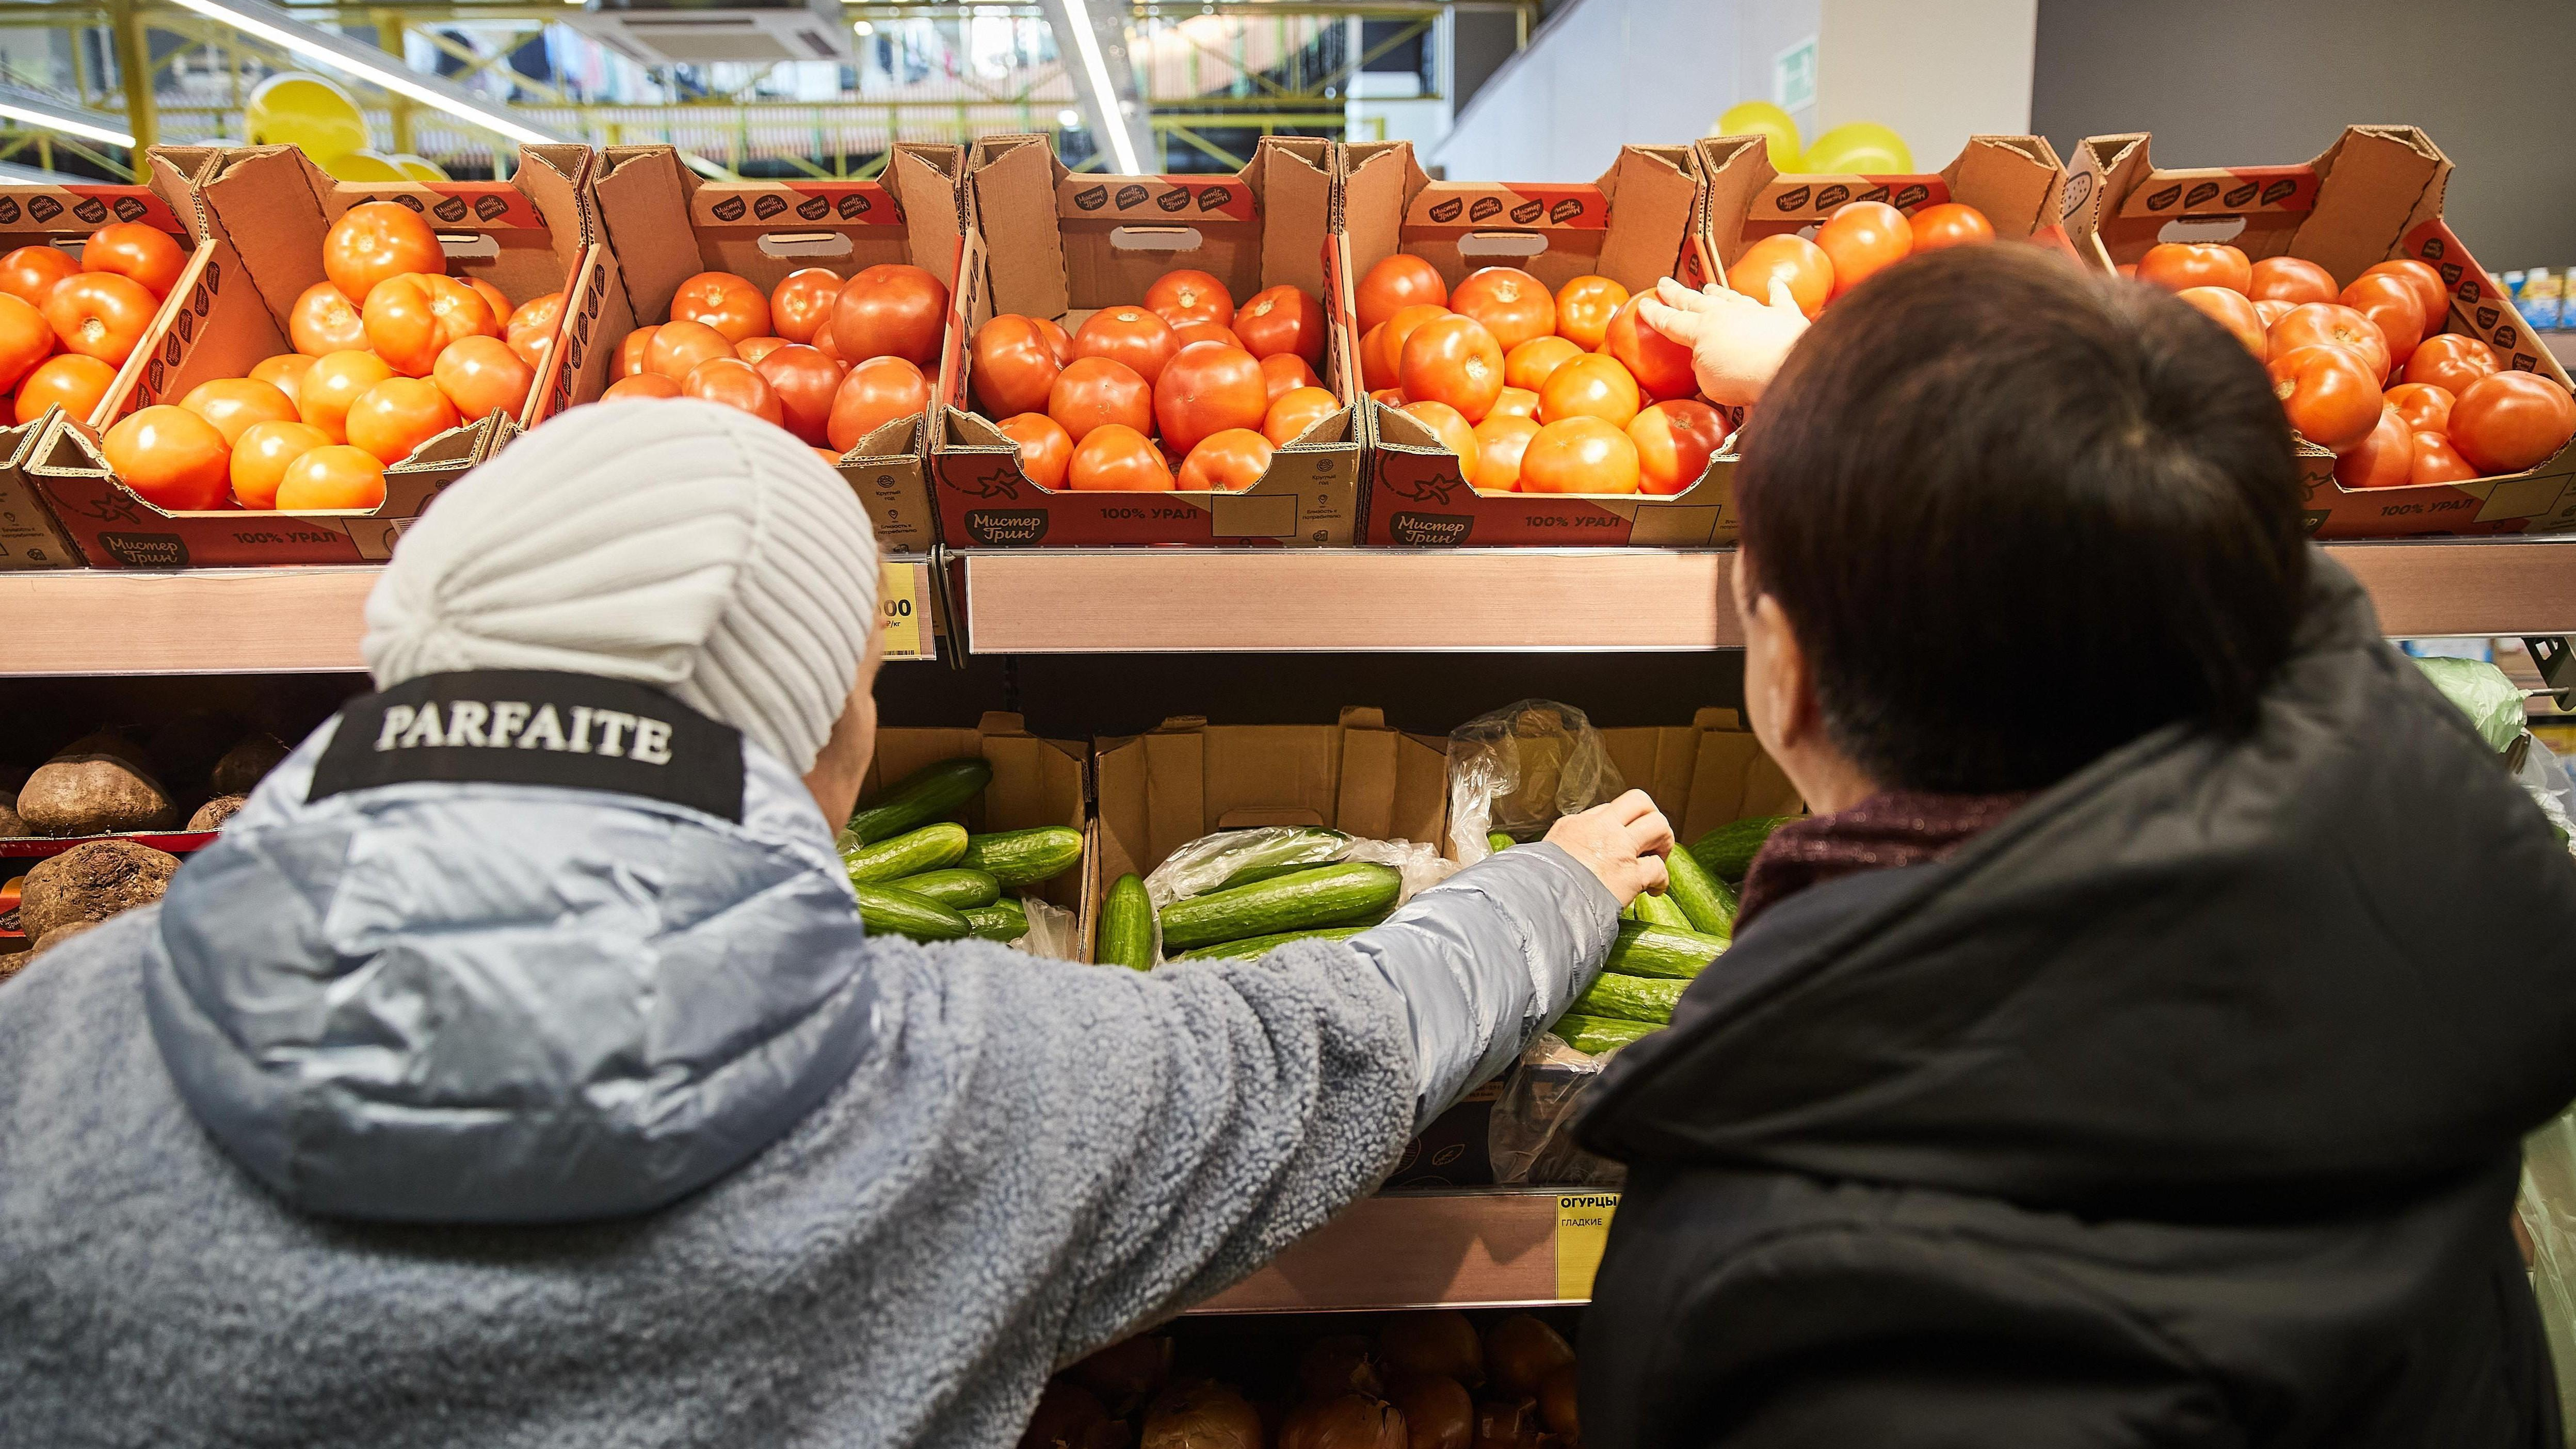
1706 903
1657 910
957 888
1644 950
1004 920
1598 1034
1127 926
933 792
901 913
1024 857
1297 846
1630 998
1728 850
1253 948
1497 842
1253 875
932 847
1328 895
1628 912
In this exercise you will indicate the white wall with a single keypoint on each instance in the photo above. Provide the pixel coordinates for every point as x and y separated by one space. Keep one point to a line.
1939 71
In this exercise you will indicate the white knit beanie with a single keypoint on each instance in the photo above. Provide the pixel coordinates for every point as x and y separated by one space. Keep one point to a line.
674 543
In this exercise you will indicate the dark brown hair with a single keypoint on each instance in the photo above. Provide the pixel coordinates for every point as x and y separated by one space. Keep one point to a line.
2018 516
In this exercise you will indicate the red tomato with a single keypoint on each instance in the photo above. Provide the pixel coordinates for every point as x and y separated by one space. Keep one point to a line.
1591 386
1861 239
2424 407
1226 462
1383 364
100 314
1660 365
1452 432
1391 396
2273 309
806 382
1285 372
891 310
333 385
1501 439
1579 455
1398 282
1527 366
2450 362
2330 324
1294 411
734 383
1674 442
2385 459
482 376
172 459
1046 449
725 302
1012 367
636 350
1584 308
2436 461
376 240
285 372
2428 288
1190 329
2176 265
1454 360
331 479
1116 458
133 250
1209 388
1787 257
2392 303
2289 279
1190 296
801 304
1513 305
1130 335
1516 402
1094 392
878 391
1951 224
641 385
74 383
323 322
1057 338
2511 421
531 329
29 273
1282 321
232 404
26 339
676 348
752 349
262 455
2330 394
397 415
2232 311
411 319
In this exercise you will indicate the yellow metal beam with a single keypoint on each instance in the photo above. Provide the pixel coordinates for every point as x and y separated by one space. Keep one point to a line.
134 67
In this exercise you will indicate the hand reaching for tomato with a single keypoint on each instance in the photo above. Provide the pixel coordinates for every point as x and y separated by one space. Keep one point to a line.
1736 343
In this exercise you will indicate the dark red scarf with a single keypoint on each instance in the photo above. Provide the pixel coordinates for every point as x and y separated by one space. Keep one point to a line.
1890 829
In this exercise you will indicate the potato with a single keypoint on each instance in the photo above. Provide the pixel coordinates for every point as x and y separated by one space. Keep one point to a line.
213 814
239 771
97 785
10 824
89 883
60 934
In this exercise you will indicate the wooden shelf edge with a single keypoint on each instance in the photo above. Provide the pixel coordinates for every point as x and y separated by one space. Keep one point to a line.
1494 1248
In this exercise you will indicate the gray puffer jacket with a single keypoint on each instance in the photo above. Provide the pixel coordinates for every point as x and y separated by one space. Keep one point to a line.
493 1114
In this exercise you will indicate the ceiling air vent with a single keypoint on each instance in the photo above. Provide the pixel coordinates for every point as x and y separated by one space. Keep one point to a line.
666 32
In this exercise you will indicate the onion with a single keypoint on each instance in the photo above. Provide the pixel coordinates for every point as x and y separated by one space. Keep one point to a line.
1520 1352
1066 1413
1437 1412
1441 1342
1201 1415
1126 1374
1332 1367
1504 1426
1556 1399
1353 1421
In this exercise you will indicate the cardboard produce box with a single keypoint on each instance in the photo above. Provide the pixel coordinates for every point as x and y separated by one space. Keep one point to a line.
666 224
262 213
2375 195
1635 225
1702 775
1057 244
1035 782
35 214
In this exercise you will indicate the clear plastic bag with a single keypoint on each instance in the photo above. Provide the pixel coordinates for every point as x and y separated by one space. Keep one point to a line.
1051 931
2544 775
2491 700
1530 1136
1209 862
1518 769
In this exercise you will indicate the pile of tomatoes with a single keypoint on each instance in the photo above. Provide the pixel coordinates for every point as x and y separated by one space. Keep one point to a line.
2368 372
67 325
390 352
1186 391
828 360
1856 242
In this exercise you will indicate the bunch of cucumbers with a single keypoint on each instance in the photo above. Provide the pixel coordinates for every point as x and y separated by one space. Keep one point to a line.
1292 886
1664 939
918 873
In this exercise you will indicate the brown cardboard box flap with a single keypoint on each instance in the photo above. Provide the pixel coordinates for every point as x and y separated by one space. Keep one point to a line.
1704 774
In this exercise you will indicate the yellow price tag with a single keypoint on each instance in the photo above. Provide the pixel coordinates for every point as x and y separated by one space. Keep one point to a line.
1582 1231
903 610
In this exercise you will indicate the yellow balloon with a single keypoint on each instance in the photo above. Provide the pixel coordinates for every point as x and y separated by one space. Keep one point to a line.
307 111
1761 118
1863 147
420 168
364 167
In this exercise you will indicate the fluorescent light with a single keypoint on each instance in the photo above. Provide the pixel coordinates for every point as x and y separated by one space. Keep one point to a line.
865 27
1069 118
1122 147
267 22
34 111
